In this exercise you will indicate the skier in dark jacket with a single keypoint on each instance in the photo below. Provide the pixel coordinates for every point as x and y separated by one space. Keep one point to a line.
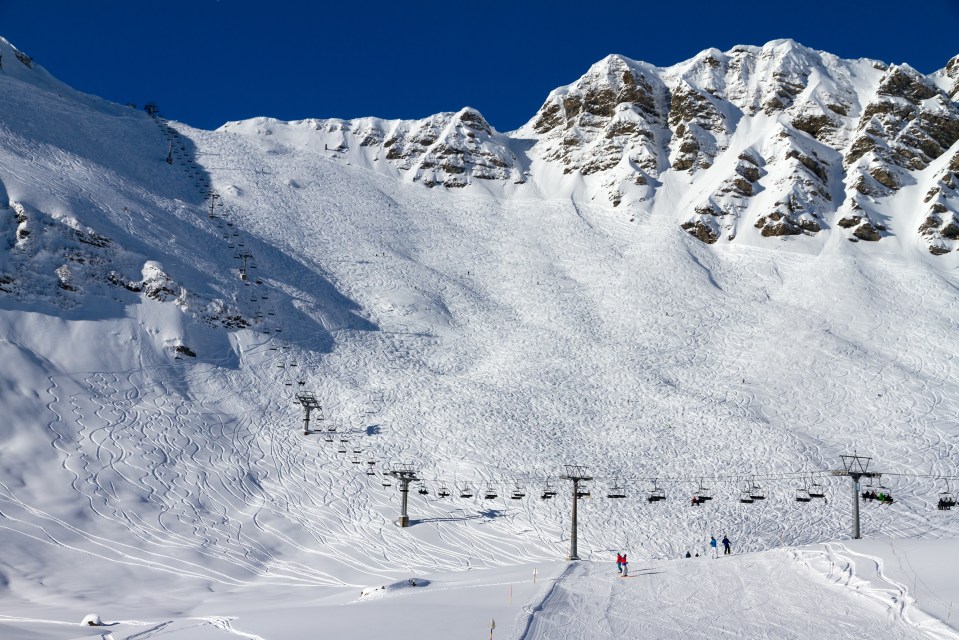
726 546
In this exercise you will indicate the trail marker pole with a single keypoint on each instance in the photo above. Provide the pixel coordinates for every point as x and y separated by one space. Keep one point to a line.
574 473
309 402
856 467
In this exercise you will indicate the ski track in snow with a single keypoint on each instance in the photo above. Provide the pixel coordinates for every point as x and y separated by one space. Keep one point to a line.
753 596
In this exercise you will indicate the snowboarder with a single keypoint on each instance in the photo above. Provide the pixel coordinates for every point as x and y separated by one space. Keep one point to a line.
619 562
726 546
713 548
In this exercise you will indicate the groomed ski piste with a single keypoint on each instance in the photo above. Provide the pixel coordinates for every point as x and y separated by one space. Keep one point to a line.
154 470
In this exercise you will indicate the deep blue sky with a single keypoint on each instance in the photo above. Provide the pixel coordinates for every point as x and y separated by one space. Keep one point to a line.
209 61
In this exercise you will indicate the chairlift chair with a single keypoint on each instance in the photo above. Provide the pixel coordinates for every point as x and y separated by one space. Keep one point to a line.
466 492
443 492
548 492
583 492
517 494
703 493
490 493
328 437
745 498
656 493
386 481
947 500
356 460
616 492
817 490
756 492
803 495
422 490
342 448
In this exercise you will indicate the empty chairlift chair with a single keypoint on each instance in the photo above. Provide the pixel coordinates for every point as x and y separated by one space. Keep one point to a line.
466 492
616 491
517 493
582 491
490 493
745 495
802 495
548 492
756 492
656 494
817 490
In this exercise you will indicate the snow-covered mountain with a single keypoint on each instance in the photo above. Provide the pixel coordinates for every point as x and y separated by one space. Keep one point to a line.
777 140
483 306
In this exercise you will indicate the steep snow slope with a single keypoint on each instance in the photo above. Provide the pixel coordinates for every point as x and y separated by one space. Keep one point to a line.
486 335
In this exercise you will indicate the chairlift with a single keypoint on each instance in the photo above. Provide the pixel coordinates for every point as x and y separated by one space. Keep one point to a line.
656 494
744 497
817 490
703 493
341 448
756 492
616 492
803 495
517 494
443 492
947 500
548 492
422 490
328 437
386 481
582 492
466 492
490 493
356 460
370 472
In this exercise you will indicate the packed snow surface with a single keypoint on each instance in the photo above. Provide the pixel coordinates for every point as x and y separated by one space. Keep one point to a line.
154 467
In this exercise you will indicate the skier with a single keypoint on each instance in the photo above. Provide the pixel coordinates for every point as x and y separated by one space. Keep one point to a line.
713 549
619 562
625 566
687 555
726 546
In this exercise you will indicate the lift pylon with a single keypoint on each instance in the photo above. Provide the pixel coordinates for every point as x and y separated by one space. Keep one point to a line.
309 402
405 474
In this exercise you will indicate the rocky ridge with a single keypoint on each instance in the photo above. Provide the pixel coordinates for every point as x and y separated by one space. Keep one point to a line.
779 140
